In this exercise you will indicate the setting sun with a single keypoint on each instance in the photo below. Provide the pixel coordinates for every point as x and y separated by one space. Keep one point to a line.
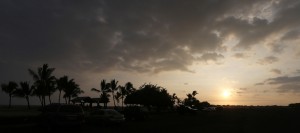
226 94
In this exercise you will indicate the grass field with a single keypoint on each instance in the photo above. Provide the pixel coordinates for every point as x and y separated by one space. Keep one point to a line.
230 120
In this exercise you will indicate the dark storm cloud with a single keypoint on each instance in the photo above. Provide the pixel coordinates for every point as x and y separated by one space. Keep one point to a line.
282 17
142 36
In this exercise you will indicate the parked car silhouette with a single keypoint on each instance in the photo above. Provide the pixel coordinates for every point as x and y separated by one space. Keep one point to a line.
135 113
186 109
209 109
62 115
105 116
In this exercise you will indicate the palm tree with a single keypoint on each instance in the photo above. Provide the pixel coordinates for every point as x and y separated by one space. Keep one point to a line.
98 91
44 82
71 90
37 91
191 100
9 88
129 88
124 91
118 95
61 84
104 97
25 91
121 93
103 89
113 85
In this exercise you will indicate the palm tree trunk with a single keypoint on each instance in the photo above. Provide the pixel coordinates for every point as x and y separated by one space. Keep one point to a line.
40 100
113 97
69 99
122 101
9 105
27 98
49 97
59 96
44 101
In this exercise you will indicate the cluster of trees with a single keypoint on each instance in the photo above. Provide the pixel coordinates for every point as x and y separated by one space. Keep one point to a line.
151 95
45 84
118 92
148 95
192 101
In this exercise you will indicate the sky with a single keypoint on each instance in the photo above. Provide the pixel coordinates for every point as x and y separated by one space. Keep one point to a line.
232 52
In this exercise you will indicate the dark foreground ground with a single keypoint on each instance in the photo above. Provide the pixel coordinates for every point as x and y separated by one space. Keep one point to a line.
230 120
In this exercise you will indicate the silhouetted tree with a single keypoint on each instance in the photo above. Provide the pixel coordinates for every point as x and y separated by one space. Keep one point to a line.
150 95
44 82
191 100
113 86
96 90
37 91
104 97
104 89
61 84
175 99
10 89
204 104
118 95
123 91
71 90
25 91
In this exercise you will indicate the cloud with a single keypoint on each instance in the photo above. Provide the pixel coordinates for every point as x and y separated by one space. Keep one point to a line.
286 84
261 83
289 88
244 89
283 80
291 35
211 57
241 91
146 37
240 55
261 21
102 36
268 60
275 71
